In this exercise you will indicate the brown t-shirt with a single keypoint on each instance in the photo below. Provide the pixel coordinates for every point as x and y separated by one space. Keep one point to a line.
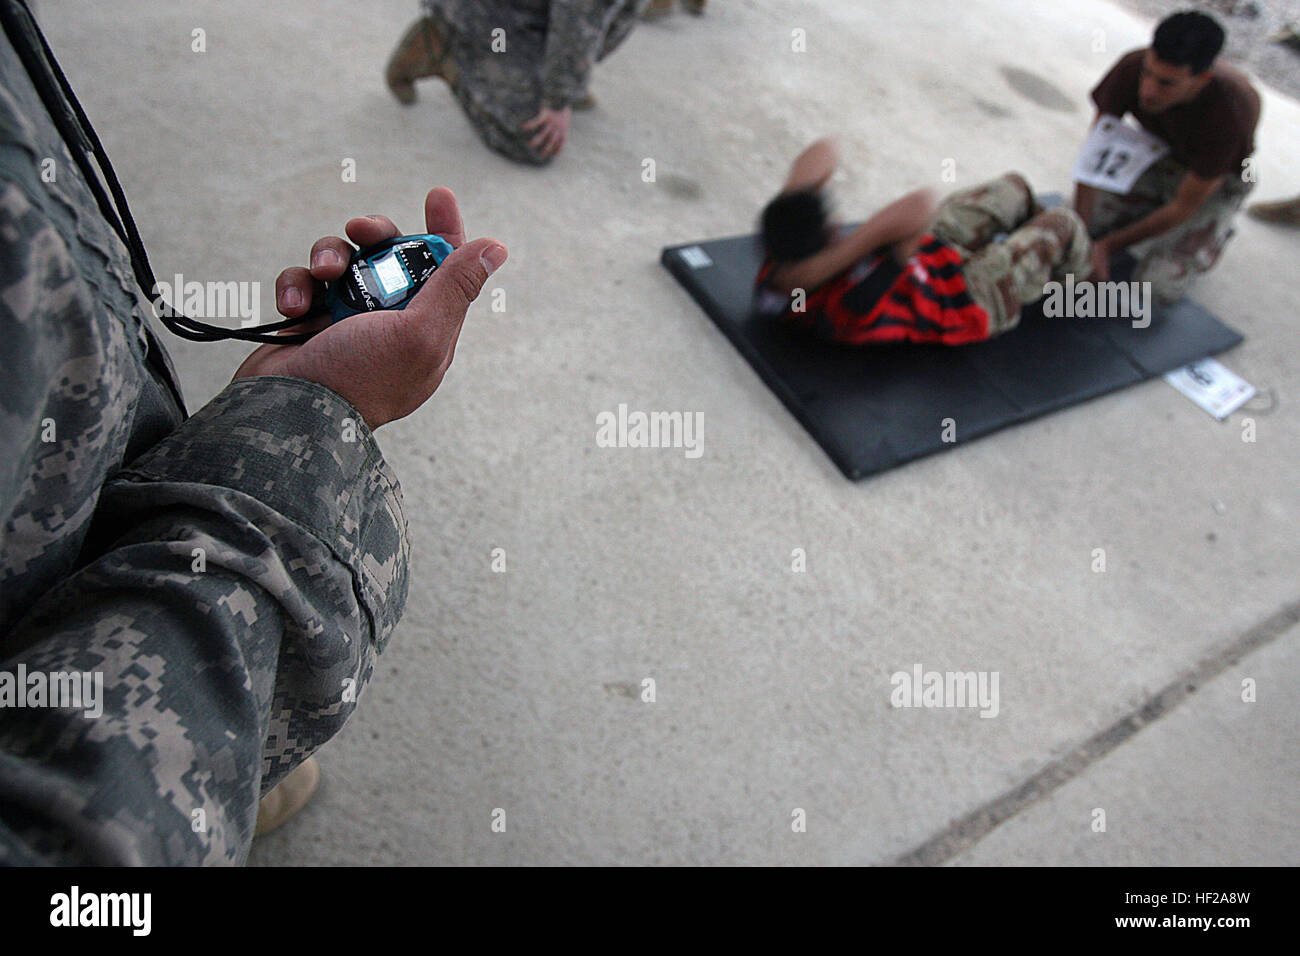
1211 135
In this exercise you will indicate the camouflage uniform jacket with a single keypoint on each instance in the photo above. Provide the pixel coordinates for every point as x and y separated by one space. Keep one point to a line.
229 576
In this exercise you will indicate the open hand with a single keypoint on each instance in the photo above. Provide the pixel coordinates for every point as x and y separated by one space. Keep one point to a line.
552 129
388 363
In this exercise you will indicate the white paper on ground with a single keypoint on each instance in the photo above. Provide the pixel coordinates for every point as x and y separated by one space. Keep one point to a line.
1210 385
1116 154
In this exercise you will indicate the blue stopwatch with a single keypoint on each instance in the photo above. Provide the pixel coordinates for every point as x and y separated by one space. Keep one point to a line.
386 275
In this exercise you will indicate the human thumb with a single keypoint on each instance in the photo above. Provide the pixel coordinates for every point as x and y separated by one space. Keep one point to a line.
460 278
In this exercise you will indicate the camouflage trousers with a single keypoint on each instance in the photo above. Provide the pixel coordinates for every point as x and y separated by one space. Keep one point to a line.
1041 245
1173 260
502 89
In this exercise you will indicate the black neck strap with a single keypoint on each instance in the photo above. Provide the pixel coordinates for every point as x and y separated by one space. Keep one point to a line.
79 135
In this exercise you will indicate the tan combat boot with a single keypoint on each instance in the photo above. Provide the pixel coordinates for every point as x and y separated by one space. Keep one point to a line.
1286 212
288 796
422 52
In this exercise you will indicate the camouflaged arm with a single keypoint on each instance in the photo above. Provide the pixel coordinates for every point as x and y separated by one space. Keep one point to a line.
241 576
305 453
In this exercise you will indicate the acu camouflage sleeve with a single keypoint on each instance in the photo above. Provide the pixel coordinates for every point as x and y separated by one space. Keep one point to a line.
237 582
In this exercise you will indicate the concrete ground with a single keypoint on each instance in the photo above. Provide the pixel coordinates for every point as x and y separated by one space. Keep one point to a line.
521 691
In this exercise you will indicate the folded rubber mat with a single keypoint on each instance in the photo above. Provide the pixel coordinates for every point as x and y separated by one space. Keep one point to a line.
875 407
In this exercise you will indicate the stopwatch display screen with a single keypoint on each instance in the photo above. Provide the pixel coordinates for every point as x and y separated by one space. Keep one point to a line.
391 277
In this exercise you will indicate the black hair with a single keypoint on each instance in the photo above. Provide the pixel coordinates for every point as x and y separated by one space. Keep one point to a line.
1189 39
795 225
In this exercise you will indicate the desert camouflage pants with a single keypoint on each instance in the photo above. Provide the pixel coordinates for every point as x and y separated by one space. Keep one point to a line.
1041 245
502 89
1172 261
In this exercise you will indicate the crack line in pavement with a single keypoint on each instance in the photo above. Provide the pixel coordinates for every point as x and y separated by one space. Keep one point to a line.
965 832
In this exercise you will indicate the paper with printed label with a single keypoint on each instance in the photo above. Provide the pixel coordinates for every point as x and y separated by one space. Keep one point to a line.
1116 154
1210 385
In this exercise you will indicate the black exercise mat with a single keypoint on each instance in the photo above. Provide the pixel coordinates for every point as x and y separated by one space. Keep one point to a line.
875 407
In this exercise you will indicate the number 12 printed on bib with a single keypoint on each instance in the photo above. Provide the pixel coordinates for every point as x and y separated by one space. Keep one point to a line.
1116 154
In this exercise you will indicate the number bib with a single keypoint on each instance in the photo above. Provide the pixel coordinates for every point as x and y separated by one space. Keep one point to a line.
1116 154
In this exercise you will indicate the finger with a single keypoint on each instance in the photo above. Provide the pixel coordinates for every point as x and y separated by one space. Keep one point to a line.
294 288
439 308
368 230
550 134
329 258
558 143
442 216
536 121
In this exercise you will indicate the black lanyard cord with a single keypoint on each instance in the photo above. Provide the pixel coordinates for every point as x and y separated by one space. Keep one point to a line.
79 134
